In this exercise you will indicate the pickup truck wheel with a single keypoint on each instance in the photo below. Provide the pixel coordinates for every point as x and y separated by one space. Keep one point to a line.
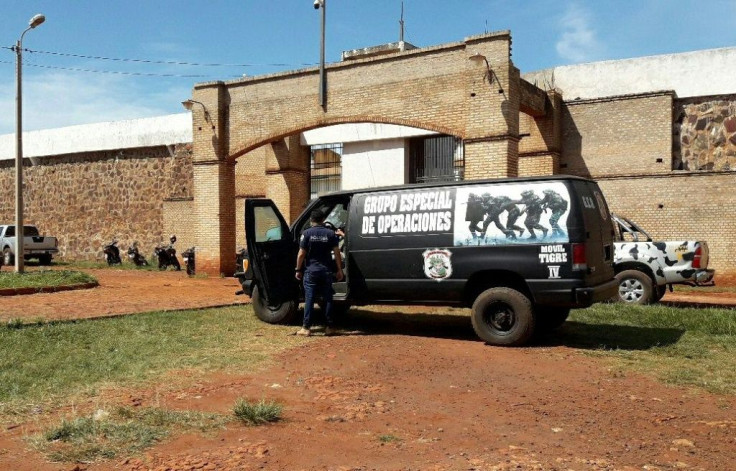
8 258
503 316
44 260
548 318
281 314
635 287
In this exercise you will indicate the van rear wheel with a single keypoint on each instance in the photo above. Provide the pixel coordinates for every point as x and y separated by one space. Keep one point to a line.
503 316
279 314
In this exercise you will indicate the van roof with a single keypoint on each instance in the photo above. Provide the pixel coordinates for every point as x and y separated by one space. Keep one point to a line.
409 186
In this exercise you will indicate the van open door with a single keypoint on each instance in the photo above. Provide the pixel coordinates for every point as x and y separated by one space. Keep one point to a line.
272 255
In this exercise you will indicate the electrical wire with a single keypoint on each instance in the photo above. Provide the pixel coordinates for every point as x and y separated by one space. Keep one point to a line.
157 61
143 61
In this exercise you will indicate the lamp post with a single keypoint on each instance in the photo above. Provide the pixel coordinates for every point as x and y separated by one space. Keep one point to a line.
322 84
19 233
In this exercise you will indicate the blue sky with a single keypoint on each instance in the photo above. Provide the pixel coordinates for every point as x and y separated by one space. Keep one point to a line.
274 35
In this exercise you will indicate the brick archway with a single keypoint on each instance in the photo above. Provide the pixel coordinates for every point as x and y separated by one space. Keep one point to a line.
436 88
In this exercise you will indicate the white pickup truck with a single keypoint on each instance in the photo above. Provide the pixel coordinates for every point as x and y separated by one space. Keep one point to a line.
644 268
34 245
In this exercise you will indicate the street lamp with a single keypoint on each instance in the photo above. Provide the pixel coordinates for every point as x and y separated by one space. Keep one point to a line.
19 233
322 85
480 58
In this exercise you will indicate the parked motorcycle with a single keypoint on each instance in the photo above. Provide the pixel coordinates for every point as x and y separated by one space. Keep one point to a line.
188 256
166 255
112 253
135 257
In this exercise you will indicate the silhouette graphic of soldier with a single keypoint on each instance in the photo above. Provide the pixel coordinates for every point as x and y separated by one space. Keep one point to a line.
557 204
493 209
474 214
512 214
533 212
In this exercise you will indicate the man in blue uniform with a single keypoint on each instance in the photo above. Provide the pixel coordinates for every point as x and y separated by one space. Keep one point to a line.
316 246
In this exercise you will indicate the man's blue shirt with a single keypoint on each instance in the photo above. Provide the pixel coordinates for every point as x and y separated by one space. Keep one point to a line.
318 242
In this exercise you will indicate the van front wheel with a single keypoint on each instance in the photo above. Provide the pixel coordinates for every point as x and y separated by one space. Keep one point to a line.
280 314
503 316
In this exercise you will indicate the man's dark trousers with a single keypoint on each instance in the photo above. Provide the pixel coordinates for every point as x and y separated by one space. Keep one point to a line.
317 284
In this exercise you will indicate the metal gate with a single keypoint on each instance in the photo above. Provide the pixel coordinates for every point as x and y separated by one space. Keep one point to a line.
325 169
436 159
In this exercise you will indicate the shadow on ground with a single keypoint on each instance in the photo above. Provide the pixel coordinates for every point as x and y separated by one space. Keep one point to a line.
458 327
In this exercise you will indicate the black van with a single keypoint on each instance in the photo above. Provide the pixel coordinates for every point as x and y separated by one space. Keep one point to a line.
520 252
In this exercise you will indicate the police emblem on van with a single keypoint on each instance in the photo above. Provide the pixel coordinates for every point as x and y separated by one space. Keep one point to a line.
437 264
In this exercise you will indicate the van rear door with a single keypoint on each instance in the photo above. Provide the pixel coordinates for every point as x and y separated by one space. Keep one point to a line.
597 233
271 251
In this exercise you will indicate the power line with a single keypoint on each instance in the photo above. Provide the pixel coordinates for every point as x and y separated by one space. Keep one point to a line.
155 61
114 72
142 61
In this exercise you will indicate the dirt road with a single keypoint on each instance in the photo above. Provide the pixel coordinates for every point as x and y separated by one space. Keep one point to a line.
414 398
124 292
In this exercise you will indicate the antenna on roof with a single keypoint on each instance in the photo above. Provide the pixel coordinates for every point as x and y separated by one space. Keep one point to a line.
401 24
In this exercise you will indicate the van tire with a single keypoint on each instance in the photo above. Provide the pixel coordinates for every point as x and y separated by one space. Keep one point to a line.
503 316
635 287
549 318
281 314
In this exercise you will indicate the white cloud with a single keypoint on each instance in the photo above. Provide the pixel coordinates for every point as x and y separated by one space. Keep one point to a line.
58 99
578 42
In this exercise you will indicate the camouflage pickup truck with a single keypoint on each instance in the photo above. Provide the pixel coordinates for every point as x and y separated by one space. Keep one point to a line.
644 268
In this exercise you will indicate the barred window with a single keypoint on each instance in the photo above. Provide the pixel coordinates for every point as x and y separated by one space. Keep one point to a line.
325 169
436 159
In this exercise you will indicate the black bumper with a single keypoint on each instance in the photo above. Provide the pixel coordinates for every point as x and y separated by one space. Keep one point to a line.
245 283
568 293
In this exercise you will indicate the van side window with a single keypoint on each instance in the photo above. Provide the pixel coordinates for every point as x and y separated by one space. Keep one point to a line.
337 215
267 224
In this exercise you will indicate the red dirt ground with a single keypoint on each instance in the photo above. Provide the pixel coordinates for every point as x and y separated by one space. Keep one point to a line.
419 399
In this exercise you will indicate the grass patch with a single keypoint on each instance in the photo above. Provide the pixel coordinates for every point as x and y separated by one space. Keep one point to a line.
61 360
683 346
257 413
123 432
41 278
388 438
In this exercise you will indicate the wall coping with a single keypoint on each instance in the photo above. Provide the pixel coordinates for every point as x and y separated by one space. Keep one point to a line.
358 61
110 135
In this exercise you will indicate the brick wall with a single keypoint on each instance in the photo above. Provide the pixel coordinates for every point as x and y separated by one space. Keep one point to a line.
693 206
629 135
90 198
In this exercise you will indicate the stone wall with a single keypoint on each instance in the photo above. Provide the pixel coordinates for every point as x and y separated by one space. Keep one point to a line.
89 198
705 134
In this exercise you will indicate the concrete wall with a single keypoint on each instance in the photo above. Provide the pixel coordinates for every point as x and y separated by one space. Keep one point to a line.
373 163
689 74
113 135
